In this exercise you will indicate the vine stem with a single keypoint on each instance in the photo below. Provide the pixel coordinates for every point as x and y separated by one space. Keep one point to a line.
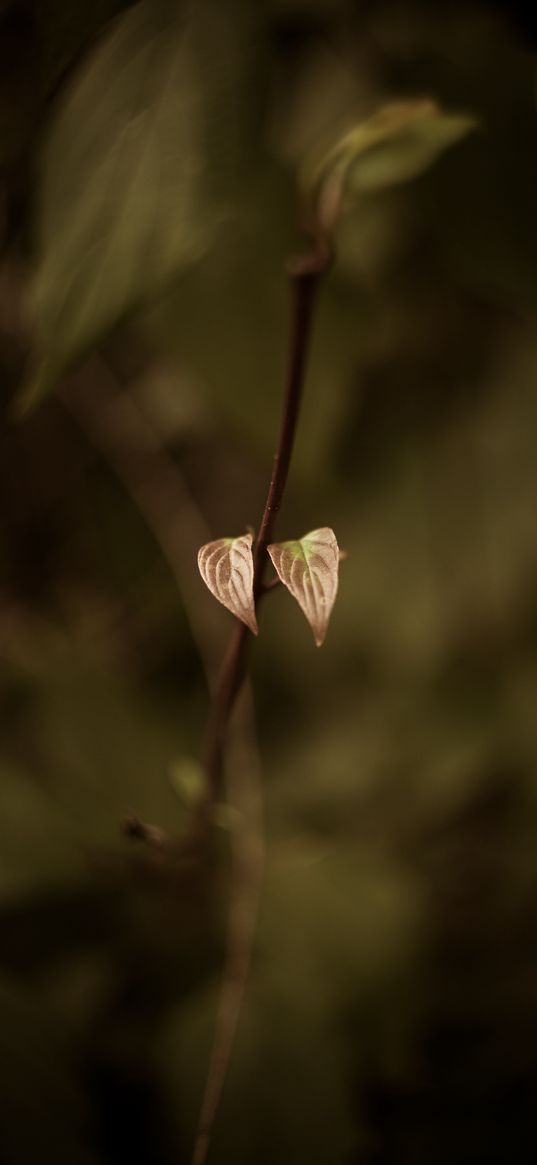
304 276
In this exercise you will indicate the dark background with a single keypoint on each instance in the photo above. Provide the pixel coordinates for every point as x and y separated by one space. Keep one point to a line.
391 1010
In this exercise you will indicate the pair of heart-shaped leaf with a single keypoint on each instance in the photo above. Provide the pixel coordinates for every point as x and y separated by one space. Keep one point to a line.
307 567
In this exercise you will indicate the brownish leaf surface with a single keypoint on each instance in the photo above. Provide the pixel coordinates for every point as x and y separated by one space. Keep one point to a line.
309 570
227 569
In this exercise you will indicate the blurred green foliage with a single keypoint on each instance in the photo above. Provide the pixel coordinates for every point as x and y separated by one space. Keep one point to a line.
391 1011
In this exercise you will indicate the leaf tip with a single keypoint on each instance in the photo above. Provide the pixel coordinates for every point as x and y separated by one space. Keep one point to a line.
251 622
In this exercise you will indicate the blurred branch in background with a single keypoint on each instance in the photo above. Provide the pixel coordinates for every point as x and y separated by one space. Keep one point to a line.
124 436
117 427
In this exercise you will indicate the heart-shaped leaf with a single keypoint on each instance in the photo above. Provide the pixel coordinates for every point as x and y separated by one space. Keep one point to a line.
227 569
309 570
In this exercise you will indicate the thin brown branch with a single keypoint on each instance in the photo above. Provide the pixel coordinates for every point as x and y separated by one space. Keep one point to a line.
247 876
304 278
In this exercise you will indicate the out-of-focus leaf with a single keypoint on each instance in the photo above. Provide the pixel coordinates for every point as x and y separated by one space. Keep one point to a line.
395 145
309 570
227 569
188 779
123 201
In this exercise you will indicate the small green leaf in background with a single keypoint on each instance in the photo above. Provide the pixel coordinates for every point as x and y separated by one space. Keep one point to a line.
227 569
396 144
309 570
187 777
123 197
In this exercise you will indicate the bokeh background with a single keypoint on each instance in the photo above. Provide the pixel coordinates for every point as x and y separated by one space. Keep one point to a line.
391 1008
